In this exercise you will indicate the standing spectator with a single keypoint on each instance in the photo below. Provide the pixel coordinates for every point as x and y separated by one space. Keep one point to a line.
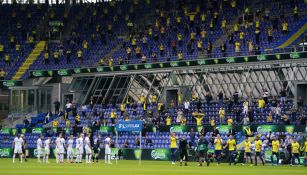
245 107
186 107
179 116
222 115
250 114
300 104
56 104
283 95
261 104
246 120
221 97
273 104
236 97
68 106
208 97
266 95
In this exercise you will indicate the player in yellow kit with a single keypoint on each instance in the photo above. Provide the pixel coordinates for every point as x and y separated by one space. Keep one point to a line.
218 148
231 144
248 150
305 150
295 146
173 141
275 150
258 150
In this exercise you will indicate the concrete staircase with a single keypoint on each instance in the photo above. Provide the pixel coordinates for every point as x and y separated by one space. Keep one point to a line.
30 60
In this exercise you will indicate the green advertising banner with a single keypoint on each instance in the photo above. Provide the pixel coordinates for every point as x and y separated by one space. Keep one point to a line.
289 128
266 128
14 131
6 152
105 129
160 154
37 130
179 128
5 131
223 128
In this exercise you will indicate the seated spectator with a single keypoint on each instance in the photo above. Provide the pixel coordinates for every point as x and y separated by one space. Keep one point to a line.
269 118
212 122
67 123
126 144
246 120
137 142
229 121
47 117
2 74
26 122
55 123
148 141
285 119
183 120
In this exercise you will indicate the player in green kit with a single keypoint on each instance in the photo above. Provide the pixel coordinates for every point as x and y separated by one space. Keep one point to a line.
202 150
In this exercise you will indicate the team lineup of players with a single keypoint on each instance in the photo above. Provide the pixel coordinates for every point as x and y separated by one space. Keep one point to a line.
201 150
83 142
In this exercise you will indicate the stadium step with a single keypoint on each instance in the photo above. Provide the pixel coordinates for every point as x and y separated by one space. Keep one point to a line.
295 36
30 60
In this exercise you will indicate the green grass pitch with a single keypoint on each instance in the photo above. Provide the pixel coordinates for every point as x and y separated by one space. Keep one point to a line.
125 167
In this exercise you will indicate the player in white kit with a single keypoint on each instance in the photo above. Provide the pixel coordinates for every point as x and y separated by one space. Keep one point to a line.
70 143
79 147
17 145
60 144
88 149
107 146
47 150
39 146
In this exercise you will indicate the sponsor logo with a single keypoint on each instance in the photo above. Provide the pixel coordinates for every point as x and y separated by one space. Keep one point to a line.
159 154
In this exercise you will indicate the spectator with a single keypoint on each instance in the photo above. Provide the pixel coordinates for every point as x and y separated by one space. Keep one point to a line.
137 142
250 115
221 97
215 131
199 116
248 132
180 98
261 104
266 95
55 124
245 107
186 107
285 27
148 141
236 97
229 121
179 116
47 117
126 144
212 122
46 57
68 106
2 74
26 122
168 120
56 104
300 104
303 119
285 119
208 97
269 118
113 116
246 120
67 123
273 104
222 115
283 95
